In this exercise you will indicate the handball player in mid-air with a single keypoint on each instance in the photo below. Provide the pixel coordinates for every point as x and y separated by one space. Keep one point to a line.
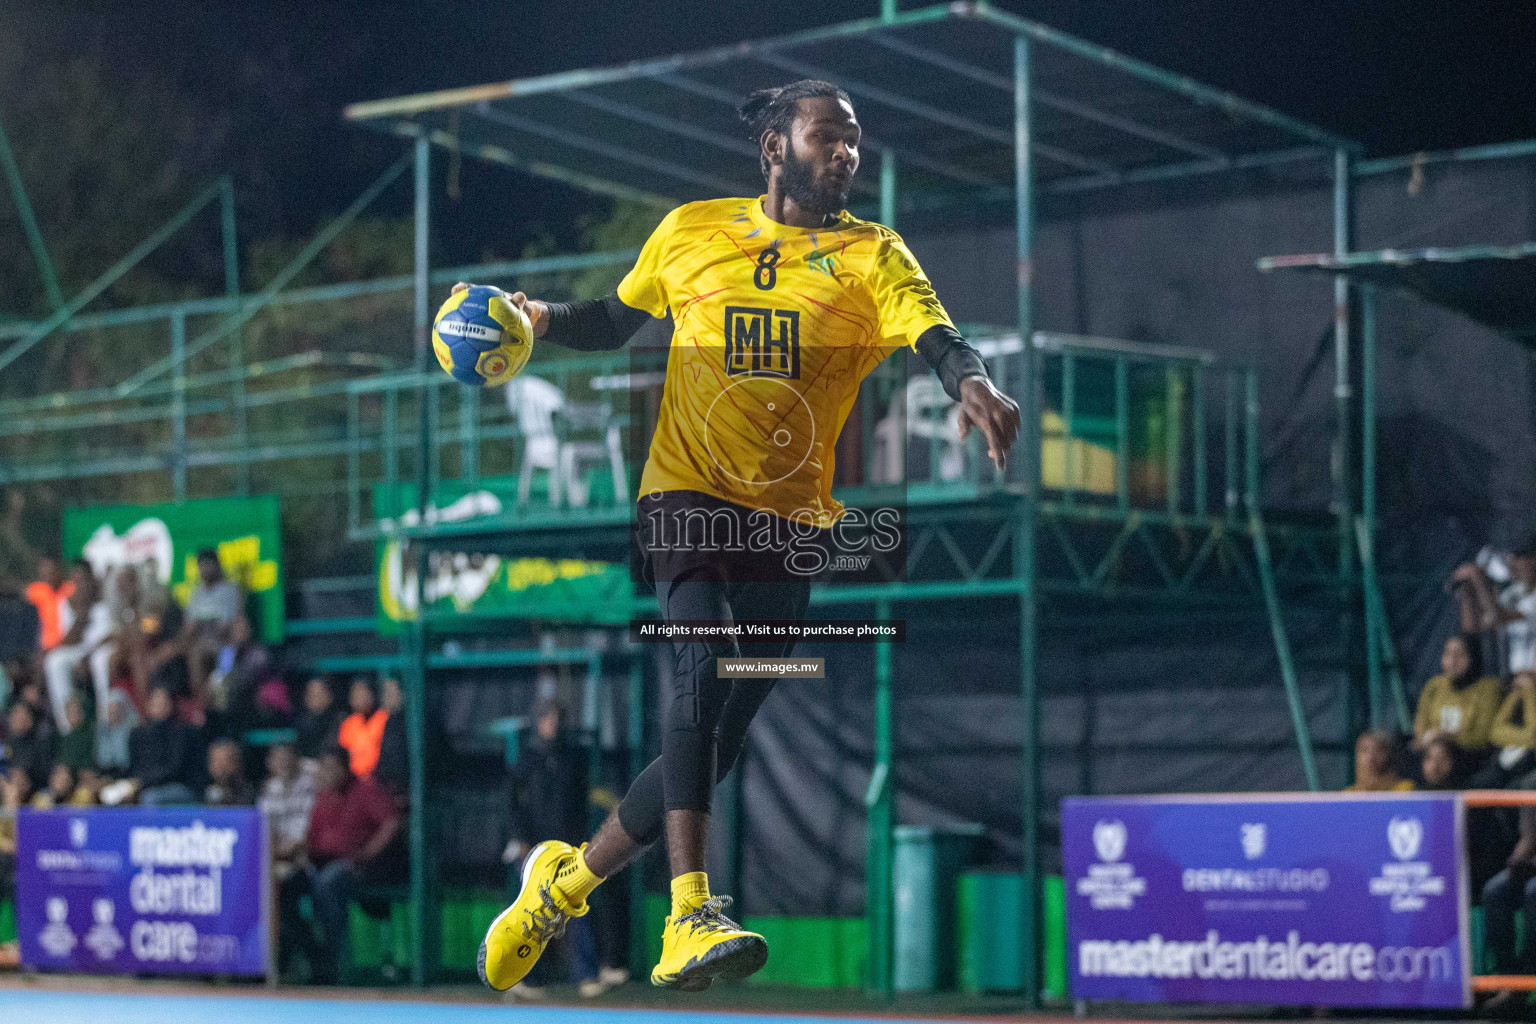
781 305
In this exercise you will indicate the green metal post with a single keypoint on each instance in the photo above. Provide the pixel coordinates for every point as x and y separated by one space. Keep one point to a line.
1123 434
422 325
1024 536
29 223
1068 410
1197 433
236 339
887 13
635 738
1343 450
354 461
1373 623
414 639
1271 595
179 407
880 805
1173 436
389 452
469 435
1229 425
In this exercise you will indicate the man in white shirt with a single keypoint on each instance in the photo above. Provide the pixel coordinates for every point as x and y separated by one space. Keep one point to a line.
88 636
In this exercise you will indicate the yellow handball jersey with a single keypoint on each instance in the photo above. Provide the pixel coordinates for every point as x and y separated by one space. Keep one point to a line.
775 326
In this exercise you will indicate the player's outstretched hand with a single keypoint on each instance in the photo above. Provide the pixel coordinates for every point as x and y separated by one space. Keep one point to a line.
538 312
993 413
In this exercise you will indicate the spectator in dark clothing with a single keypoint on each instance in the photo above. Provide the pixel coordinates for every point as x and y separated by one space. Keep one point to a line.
1442 766
28 747
550 794
77 747
164 755
320 722
394 770
352 832
227 784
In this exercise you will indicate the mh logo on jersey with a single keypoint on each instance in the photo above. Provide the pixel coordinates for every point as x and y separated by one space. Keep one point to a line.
762 342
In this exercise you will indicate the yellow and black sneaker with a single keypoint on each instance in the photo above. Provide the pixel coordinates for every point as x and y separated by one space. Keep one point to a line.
516 939
698 947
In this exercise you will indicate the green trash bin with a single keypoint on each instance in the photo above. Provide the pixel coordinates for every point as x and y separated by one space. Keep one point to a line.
928 861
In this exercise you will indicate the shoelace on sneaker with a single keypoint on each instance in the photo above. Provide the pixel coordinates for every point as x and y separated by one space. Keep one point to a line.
709 917
547 922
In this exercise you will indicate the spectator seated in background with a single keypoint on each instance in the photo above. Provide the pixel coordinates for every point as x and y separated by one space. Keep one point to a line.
394 770
15 788
351 841
1376 764
164 754
87 642
212 610
362 732
319 723
49 594
113 730
1513 735
1511 611
159 651
235 686
28 748
64 790
550 792
1443 764
77 747
1511 889
227 784
287 799
1460 703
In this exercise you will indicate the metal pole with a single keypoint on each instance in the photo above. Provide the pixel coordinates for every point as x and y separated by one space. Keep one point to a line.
414 640
179 406
1343 451
1271 595
29 223
880 806
1122 434
422 324
1068 411
1197 433
1024 536
237 339
635 737
1373 623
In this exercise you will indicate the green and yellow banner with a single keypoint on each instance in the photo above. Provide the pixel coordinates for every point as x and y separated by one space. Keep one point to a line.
554 588
166 538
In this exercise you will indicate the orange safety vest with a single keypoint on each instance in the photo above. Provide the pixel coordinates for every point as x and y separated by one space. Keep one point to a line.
49 604
362 738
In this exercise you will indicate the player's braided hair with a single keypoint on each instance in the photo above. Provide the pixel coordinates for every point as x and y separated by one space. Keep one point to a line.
775 109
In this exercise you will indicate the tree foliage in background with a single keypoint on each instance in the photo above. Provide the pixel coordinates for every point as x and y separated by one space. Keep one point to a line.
106 158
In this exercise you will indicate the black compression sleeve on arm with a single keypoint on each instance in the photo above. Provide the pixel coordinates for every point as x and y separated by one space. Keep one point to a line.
593 325
951 357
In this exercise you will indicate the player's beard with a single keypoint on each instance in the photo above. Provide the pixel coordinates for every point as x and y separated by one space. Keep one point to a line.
800 184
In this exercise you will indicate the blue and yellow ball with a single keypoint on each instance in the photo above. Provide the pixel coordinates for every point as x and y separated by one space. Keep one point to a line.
481 338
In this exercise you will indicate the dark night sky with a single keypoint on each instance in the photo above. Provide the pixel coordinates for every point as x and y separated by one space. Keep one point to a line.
1399 75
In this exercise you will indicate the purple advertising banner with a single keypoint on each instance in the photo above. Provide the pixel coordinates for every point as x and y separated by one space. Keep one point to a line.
1311 900
143 890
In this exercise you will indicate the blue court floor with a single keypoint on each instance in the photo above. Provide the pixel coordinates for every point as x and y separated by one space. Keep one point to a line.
43 1007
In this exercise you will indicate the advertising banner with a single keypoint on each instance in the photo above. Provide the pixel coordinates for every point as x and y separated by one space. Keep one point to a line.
1311 900
108 890
555 588
244 531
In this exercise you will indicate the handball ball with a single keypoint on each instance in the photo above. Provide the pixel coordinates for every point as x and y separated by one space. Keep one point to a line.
481 338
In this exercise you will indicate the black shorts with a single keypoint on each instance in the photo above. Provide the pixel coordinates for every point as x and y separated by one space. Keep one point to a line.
681 535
